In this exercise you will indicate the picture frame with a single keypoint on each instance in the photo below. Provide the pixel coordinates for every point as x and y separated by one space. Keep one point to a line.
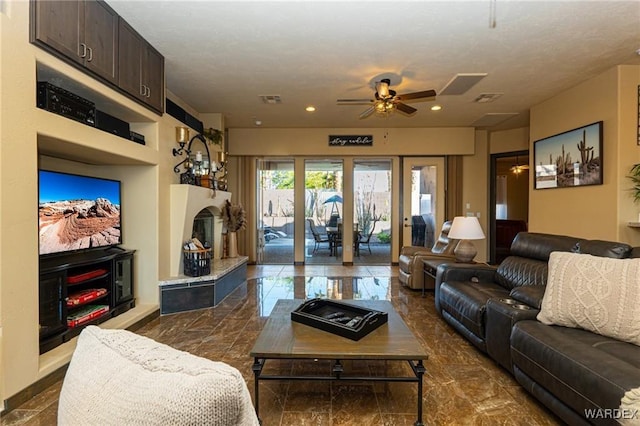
568 159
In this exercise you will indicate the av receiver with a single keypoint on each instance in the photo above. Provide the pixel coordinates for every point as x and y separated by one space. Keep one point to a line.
65 103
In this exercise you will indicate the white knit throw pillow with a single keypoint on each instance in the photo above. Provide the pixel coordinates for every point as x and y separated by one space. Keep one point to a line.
594 293
116 377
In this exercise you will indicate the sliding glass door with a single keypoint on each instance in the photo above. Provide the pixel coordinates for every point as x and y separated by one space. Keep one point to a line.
372 211
323 211
275 211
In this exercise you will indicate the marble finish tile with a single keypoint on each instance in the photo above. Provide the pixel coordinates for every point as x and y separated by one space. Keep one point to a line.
308 396
306 419
462 386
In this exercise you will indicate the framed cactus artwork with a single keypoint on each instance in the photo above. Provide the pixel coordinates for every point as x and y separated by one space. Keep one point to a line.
571 158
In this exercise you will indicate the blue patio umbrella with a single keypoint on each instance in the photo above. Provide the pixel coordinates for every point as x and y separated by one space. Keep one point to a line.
333 199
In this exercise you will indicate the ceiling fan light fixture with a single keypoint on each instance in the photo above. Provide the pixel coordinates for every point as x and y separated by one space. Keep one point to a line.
382 88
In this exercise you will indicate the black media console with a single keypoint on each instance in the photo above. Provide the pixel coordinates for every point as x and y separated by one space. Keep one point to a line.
80 289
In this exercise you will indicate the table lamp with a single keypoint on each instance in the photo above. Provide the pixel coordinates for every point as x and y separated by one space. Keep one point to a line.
465 228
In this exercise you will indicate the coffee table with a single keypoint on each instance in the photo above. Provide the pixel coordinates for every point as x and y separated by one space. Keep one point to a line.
282 338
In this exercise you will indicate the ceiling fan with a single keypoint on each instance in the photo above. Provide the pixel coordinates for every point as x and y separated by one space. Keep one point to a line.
386 100
518 168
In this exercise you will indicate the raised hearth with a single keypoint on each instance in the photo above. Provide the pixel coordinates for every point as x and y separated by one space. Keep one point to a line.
183 293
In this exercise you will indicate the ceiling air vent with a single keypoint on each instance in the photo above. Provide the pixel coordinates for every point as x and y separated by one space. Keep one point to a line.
271 99
460 83
483 98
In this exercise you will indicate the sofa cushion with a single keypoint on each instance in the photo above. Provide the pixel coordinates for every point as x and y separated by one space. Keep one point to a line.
598 294
517 271
116 377
583 369
466 302
604 248
539 246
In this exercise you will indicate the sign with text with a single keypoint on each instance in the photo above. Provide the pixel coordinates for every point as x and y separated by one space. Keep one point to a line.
351 140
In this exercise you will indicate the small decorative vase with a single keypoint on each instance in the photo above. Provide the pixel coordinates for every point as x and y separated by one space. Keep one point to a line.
232 244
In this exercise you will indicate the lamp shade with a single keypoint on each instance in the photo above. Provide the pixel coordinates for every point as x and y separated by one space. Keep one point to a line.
466 228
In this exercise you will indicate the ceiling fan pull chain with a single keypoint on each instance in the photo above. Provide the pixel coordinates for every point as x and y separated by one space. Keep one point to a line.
492 13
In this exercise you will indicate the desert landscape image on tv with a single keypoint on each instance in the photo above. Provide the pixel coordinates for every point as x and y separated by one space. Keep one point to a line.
77 212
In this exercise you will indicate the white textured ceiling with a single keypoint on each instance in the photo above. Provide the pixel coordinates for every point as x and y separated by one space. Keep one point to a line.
221 56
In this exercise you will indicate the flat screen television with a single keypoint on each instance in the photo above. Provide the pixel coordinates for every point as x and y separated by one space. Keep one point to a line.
77 212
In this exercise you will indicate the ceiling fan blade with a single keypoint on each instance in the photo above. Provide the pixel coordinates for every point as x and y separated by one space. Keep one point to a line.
405 108
354 101
417 95
367 112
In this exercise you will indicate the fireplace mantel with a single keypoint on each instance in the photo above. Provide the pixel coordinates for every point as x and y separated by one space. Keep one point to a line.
186 202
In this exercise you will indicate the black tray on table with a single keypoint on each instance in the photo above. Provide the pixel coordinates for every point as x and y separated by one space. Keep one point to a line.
334 317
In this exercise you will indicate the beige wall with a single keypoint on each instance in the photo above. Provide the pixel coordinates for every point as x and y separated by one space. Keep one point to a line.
475 189
409 141
31 138
509 140
600 211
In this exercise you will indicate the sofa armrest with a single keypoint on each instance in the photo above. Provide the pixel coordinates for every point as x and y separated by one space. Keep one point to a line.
529 295
466 272
413 250
461 272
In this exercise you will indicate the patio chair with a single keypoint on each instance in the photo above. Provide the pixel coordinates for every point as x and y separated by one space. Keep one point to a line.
317 236
366 239
334 219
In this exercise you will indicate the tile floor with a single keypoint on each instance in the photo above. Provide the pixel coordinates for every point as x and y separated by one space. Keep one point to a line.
461 386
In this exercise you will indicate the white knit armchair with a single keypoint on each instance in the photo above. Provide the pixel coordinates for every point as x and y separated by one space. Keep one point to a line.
116 377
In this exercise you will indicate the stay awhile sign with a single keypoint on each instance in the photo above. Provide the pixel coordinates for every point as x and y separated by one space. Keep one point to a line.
342 140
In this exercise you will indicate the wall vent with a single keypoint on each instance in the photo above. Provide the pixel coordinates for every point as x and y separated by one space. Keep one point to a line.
271 99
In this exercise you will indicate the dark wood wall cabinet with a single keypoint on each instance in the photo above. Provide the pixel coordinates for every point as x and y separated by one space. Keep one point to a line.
91 36
141 67
80 289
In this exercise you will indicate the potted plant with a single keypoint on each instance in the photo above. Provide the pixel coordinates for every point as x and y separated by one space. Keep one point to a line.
635 178
213 135
233 219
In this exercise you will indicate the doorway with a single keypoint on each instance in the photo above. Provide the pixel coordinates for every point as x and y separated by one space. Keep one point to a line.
372 211
323 180
509 201
423 203
275 211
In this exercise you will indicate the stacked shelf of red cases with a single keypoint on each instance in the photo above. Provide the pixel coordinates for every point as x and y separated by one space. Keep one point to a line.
80 311
86 314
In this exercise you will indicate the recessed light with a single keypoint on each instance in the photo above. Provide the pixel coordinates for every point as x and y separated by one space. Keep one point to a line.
310 108
258 123
436 108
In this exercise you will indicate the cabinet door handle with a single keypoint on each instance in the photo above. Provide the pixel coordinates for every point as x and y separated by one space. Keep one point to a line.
84 50
148 92
90 54
143 90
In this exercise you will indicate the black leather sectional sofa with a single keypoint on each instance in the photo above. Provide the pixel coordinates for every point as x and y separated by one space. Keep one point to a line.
579 375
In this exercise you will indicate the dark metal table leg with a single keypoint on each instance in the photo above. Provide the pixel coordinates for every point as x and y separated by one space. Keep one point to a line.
419 370
257 369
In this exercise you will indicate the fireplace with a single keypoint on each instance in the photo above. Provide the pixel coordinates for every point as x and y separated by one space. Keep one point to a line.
203 225
195 209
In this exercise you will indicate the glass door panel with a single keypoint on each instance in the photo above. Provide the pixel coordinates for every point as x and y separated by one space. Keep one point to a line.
372 211
275 211
323 211
423 200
